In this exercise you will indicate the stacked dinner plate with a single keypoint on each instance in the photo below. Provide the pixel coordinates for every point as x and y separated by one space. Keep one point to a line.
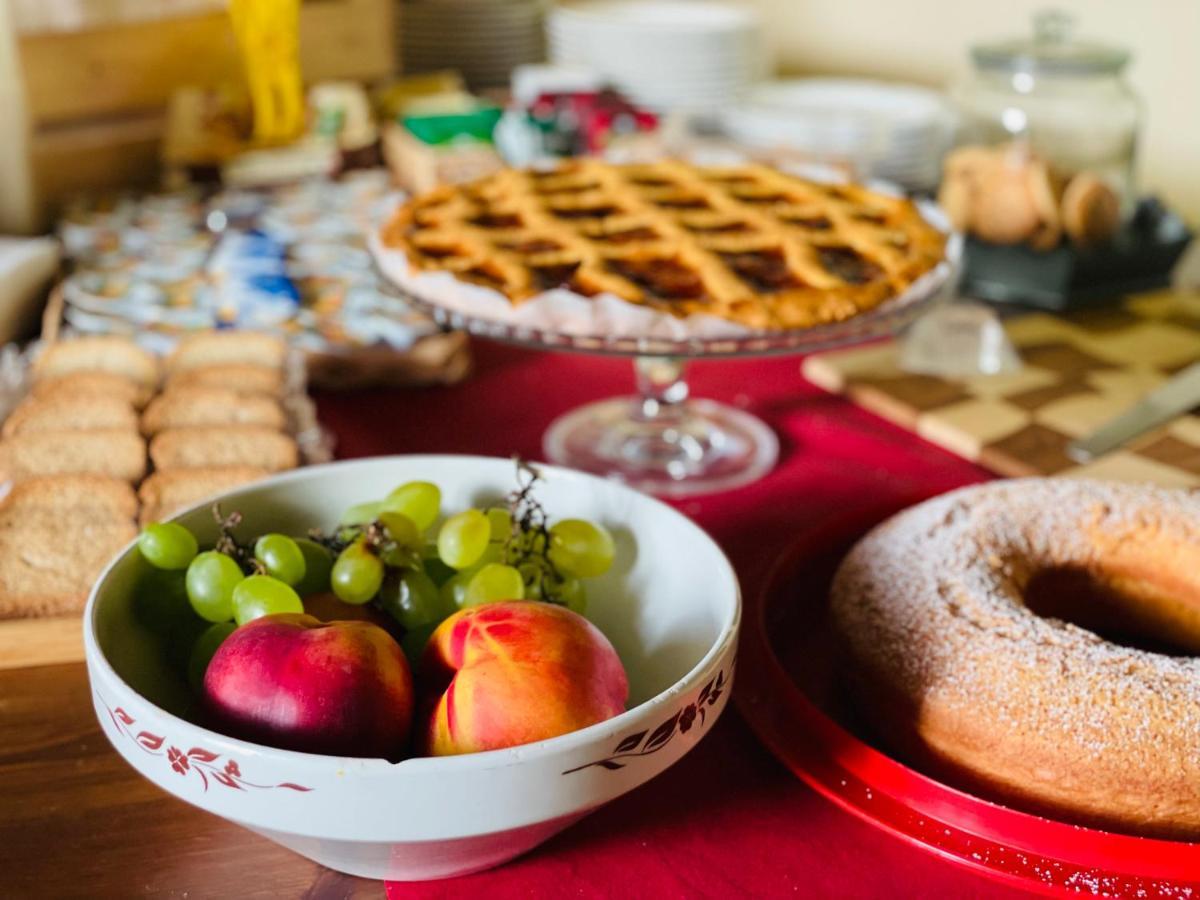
483 39
664 54
894 132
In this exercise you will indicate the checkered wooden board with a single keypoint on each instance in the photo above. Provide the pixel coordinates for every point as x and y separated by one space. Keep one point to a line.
1080 371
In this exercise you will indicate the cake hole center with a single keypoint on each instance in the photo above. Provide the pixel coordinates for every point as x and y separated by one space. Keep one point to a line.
1127 609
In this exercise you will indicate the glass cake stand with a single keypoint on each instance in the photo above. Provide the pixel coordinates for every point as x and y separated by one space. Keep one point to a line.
662 440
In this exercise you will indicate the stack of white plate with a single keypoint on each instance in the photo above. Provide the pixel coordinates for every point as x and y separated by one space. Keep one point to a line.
483 39
690 55
894 132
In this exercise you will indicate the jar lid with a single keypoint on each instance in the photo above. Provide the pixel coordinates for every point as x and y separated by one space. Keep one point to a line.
1052 49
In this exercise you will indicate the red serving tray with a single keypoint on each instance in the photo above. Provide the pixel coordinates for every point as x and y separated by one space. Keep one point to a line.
785 688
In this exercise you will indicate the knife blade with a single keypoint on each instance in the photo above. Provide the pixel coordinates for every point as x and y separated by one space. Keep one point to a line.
1173 398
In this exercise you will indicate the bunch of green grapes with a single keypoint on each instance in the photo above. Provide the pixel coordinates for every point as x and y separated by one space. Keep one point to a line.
398 554
395 553
230 584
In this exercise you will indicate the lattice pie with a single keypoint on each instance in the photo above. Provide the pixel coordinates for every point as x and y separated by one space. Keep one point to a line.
748 244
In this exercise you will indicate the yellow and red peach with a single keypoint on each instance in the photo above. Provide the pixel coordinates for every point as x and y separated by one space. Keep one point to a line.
291 681
515 672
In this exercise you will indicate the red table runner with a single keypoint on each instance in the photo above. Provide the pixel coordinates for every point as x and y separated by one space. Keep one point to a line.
728 820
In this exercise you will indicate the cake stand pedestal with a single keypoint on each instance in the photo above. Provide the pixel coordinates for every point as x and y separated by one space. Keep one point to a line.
662 442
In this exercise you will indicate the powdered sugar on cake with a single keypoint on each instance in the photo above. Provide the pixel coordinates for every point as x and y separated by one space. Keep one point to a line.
930 603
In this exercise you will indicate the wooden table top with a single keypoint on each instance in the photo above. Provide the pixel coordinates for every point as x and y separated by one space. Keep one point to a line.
76 820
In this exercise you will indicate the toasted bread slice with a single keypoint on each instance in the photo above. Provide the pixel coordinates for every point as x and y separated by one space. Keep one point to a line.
165 493
220 348
69 414
245 379
93 384
56 535
224 445
68 493
98 353
188 406
115 452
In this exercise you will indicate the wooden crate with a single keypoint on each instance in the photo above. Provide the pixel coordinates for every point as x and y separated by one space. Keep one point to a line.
95 98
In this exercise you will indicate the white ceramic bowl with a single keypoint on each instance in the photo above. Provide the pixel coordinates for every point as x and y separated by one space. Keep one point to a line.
670 605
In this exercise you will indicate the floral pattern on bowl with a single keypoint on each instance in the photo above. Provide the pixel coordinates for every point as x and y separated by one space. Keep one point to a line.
203 762
638 744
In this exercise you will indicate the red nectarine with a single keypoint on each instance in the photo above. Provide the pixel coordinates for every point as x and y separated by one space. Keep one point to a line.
291 681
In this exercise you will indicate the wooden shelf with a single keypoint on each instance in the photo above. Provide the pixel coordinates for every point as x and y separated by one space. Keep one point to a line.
95 99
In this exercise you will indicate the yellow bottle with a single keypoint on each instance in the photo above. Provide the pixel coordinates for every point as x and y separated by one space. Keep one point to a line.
268 33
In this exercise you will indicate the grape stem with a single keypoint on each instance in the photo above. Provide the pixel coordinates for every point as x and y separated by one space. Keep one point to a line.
375 538
228 544
335 543
528 543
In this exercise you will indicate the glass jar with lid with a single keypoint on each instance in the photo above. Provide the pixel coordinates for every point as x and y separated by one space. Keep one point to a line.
1064 99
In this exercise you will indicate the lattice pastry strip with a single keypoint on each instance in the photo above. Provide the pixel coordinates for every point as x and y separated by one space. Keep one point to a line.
749 243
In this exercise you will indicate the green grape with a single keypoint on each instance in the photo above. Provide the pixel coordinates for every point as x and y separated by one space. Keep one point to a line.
414 642
160 601
580 548
421 501
531 543
454 591
281 557
402 529
262 595
160 605
317 565
413 600
533 575
357 575
349 534
211 578
501 523
203 651
494 582
492 553
396 557
573 595
361 513
463 539
167 545
437 570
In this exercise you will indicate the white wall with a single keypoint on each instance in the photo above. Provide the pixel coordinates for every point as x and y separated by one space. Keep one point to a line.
928 40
